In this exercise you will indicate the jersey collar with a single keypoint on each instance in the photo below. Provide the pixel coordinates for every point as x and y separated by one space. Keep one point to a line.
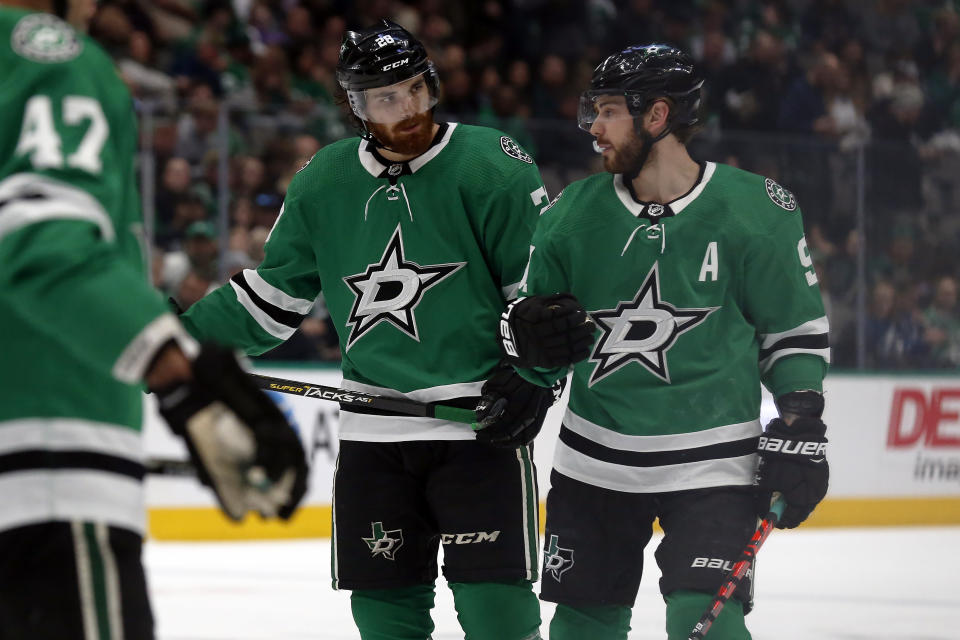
376 164
637 209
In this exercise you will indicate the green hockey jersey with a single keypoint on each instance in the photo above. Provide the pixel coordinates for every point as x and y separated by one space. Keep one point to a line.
78 320
415 261
697 302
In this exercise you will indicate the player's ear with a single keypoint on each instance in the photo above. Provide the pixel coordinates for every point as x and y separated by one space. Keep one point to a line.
657 114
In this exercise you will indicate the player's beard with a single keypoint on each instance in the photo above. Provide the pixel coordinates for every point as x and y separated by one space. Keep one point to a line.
629 158
413 144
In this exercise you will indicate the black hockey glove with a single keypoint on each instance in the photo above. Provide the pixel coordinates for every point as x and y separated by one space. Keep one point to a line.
241 444
545 331
793 462
511 409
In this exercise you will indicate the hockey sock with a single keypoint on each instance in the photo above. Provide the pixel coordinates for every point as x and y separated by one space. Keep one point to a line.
497 610
393 614
684 609
603 622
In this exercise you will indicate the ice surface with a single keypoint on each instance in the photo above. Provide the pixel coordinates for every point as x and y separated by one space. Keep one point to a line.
821 584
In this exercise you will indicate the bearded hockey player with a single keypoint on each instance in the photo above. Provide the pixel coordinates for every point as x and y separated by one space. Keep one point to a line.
699 279
80 331
417 234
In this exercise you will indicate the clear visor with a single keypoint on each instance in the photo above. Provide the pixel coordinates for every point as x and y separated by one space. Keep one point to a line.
393 103
602 108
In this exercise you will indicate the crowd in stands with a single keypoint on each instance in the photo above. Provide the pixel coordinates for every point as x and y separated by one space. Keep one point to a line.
852 104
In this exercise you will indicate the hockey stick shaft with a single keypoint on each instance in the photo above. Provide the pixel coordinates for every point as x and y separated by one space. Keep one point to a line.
405 406
739 570
356 399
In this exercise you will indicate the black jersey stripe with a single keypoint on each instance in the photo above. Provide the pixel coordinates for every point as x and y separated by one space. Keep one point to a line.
23 196
290 319
40 460
812 341
597 451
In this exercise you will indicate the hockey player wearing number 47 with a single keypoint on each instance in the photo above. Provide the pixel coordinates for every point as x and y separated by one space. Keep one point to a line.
80 331
698 278
417 233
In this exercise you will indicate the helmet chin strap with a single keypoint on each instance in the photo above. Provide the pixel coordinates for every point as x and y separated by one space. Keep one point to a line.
648 141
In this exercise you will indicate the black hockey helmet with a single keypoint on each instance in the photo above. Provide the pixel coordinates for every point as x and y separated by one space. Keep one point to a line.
379 56
641 74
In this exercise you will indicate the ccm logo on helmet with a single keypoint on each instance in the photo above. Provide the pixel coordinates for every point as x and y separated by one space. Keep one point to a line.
394 65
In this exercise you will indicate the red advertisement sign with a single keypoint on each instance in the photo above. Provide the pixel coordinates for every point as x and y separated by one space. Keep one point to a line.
928 417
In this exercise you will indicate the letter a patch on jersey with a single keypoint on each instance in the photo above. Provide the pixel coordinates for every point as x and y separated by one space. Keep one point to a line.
641 330
391 289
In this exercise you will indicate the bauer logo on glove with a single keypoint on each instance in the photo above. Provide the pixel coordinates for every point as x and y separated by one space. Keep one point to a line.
545 331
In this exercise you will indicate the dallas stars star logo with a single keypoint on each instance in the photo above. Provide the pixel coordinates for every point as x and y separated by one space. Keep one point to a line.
556 559
391 289
385 543
642 330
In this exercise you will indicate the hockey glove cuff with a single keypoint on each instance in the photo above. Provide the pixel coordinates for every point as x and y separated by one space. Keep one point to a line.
242 445
793 462
511 409
545 331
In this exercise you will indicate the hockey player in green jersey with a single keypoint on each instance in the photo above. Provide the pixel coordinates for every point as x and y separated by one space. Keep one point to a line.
80 331
699 280
417 234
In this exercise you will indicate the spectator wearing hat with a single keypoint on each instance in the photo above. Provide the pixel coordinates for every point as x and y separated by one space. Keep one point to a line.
942 318
198 253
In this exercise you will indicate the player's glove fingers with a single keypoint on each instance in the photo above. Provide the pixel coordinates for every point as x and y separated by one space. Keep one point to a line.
241 443
511 409
224 450
793 463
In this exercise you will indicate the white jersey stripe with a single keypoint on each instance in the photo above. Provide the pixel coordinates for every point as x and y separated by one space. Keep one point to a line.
510 292
32 496
132 364
70 434
60 202
674 477
675 442
766 363
275 296
374 428
813 327
266 323
378 428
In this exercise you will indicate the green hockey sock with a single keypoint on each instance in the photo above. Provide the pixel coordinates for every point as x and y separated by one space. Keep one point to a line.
393 614
606 622
497 610
684 609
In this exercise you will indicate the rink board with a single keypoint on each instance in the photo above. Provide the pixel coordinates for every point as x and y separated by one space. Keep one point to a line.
894 458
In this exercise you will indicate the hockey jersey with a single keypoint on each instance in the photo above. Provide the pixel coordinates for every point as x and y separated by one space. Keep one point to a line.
697 302
415 261
78 320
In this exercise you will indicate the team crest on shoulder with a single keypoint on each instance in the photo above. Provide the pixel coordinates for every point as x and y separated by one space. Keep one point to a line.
42 37
780 196
513 150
